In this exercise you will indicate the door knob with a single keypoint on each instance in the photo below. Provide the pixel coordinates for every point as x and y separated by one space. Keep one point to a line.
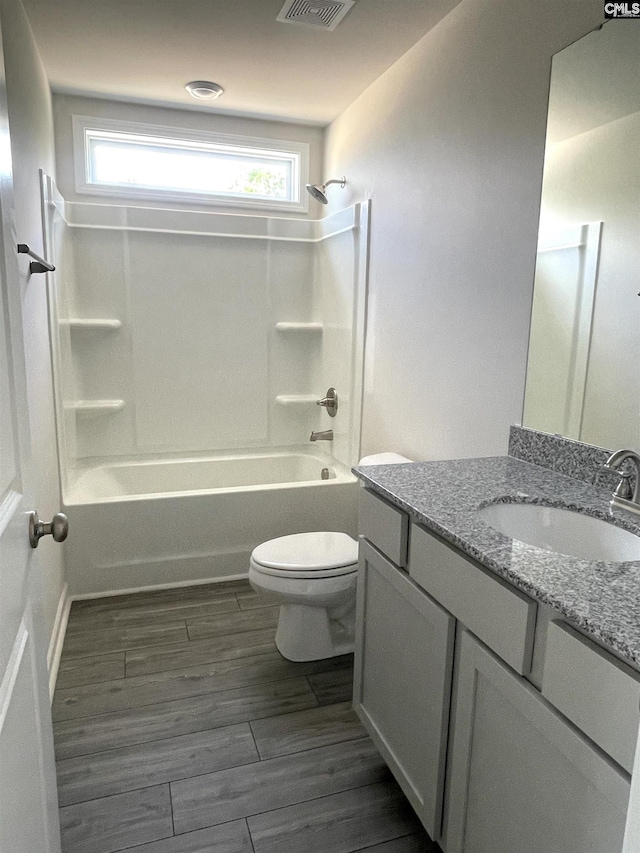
58 528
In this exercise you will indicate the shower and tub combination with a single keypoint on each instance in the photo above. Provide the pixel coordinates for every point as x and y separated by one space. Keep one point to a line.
190 352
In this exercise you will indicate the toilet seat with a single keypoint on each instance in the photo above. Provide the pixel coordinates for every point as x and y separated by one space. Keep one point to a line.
322 554
316 574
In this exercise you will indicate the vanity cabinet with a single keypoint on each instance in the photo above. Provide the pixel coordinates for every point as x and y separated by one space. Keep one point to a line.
520 777
402 679
493 758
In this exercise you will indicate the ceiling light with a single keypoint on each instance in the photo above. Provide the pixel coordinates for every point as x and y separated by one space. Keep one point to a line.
203 90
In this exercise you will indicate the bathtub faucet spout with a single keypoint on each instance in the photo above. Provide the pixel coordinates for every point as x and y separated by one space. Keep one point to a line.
326 435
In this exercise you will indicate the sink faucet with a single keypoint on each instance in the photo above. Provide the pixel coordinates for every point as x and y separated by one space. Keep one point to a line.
624 496
326 435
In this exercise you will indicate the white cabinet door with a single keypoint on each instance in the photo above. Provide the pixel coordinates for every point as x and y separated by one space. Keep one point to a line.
28 801
522 778
632 829
402 683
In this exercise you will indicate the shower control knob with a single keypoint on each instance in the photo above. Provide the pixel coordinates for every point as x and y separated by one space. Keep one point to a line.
58 527
330 402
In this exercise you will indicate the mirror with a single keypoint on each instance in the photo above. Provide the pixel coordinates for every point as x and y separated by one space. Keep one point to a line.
583 371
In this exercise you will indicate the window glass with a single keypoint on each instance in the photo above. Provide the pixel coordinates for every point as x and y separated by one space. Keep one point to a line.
149 165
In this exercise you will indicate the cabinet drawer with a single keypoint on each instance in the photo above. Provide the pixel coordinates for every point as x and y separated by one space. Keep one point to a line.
499 615
386 526
598 693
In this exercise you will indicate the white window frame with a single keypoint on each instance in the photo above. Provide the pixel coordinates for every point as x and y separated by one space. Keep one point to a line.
81 155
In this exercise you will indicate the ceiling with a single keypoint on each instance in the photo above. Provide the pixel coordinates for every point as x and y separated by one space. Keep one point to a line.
594 81
146 50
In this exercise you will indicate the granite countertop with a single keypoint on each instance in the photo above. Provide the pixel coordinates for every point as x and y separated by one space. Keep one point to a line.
600 598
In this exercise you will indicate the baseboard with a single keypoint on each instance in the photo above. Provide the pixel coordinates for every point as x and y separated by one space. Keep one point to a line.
54 652
129 590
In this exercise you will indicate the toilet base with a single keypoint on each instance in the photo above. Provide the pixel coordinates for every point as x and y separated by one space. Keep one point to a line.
313 633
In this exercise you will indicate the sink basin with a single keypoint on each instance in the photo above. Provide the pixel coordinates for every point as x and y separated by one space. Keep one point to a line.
562 531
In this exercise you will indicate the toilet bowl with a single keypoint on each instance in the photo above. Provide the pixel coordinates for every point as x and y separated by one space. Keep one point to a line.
314 577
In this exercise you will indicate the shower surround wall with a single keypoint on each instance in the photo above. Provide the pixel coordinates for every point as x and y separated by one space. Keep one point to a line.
181 335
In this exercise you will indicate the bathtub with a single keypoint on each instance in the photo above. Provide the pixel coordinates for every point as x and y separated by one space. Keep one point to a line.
168 522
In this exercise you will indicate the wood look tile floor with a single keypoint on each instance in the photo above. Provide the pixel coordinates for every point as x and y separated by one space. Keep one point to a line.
179 728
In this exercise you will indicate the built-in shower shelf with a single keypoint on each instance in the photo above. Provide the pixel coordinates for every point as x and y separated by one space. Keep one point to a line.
91 323
299 327
296 399
95 407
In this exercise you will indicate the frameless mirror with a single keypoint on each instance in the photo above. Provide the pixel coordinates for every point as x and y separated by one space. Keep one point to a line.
583 371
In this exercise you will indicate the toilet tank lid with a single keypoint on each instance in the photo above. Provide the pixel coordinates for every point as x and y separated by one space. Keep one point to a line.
384 459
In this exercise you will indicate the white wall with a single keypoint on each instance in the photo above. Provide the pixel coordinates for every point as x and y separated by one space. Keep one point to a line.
31 120
66 106
449 144
560 329
595 177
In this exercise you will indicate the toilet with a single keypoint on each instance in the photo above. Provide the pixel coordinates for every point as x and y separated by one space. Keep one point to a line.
314 577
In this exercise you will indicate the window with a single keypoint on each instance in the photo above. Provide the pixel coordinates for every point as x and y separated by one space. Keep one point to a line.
123 159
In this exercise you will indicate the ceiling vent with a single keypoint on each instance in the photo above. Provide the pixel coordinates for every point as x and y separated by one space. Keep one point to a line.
325 14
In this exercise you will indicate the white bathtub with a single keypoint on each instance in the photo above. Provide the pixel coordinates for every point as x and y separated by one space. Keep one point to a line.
161 478
137 525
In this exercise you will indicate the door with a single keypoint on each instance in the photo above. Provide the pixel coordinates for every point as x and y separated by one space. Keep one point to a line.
402 679
28 800
521 777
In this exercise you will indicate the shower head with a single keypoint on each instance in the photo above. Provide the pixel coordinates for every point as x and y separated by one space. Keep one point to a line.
318 190
315 192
